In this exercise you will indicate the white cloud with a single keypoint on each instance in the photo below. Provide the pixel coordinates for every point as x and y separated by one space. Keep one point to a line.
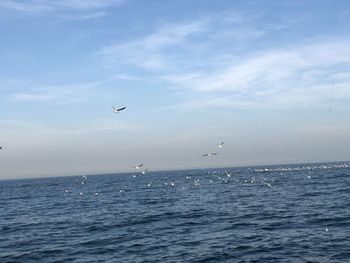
187 56
200 42
73 10
198 57
48 5
55 94
172 47
85 16
63 94
290 77
85 4
149 52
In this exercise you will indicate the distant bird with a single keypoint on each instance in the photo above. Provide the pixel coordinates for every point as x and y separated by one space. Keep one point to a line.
268 184
209 154
138 166
116 110
221 145
144 172
0 147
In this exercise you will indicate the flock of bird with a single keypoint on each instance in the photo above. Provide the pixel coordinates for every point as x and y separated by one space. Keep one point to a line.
225 177
137 167
221 145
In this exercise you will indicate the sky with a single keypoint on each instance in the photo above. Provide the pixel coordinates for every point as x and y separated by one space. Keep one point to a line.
269 78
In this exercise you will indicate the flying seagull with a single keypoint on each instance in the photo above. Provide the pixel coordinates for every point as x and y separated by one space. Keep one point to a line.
209 154
144 172
221 145
138 166
116 110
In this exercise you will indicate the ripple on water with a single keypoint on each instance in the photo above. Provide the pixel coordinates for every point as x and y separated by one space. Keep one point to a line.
200 219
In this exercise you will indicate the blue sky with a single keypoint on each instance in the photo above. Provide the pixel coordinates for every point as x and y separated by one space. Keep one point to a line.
255 74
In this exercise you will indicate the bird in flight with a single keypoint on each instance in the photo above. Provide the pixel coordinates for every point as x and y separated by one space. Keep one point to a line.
116 110
144 172
0 147
209 154
138 166
221 145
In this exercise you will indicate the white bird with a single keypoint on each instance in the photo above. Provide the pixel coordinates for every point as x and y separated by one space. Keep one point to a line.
116 110
144 172
268 184
138 166
221 145
209 154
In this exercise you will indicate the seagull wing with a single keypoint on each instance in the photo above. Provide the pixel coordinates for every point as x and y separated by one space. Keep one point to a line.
116 110
120 109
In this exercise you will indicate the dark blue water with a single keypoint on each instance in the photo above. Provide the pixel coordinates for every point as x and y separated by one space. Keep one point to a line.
298 213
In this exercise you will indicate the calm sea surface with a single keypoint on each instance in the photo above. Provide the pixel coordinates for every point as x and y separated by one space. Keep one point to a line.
298 213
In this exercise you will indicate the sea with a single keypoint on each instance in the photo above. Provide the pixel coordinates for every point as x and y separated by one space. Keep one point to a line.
285 213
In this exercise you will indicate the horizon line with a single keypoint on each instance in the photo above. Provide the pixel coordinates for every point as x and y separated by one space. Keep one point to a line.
173 170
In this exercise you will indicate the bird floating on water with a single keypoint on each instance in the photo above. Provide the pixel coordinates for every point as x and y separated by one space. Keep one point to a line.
116 110
268 184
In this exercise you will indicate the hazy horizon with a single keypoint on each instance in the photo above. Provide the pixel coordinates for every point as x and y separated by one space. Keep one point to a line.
315 165
270 79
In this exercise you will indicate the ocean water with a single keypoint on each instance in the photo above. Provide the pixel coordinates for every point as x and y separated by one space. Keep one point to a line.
295 213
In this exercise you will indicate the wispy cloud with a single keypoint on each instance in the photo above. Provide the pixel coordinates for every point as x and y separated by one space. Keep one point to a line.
293 76
200 42
148 52
85 16
219 61
66 9
47 5
64 94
